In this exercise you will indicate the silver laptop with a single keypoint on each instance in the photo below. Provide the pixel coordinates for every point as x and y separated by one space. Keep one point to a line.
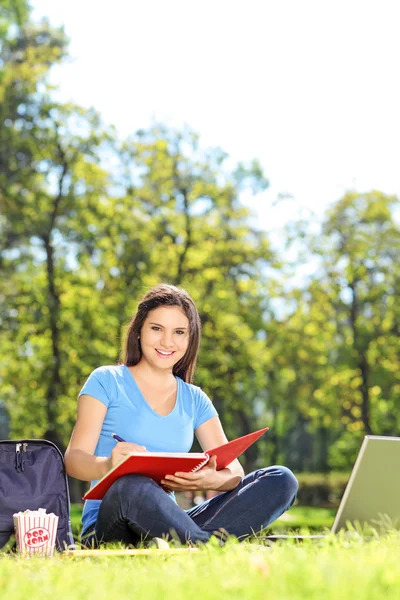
372 494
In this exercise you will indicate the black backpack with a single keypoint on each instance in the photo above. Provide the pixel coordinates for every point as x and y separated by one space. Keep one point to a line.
32 476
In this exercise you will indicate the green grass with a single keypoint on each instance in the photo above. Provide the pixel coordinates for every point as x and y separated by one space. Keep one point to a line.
300 517
75 512
336 568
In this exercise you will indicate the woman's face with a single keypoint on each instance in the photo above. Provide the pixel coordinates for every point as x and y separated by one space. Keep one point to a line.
164 337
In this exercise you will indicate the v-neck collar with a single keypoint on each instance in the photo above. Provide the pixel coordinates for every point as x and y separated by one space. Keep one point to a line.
139 391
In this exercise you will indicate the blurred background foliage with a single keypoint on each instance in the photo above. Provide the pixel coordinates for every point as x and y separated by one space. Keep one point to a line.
88 222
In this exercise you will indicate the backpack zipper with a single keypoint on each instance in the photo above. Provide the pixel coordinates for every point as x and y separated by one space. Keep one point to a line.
20 450
18 457
24 447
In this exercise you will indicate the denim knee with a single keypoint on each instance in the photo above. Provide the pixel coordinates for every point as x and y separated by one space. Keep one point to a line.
130 488
134 483
286 482
291 482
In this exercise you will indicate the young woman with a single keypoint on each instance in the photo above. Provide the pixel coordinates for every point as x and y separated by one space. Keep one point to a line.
149 401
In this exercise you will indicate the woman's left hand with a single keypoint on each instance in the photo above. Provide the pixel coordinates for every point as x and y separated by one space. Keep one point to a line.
208 478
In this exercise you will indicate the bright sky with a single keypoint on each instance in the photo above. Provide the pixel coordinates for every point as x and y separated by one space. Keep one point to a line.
309 87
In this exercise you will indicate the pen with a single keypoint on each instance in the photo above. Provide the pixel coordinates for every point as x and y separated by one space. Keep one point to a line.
116 437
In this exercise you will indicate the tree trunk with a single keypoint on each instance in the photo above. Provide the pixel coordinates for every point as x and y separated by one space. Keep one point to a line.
323 445
273 436
364 368
55 384
361 361
250 456
188 240
53 303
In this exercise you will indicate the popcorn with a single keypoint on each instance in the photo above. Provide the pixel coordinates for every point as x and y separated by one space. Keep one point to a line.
35 532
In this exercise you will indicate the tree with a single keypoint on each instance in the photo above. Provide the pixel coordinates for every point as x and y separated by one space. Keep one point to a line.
341 336
364 269
49 173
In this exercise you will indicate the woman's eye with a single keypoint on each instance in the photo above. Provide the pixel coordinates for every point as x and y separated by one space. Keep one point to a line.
180 332
155 328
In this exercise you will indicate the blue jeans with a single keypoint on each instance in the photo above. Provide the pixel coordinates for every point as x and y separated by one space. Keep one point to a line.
136 508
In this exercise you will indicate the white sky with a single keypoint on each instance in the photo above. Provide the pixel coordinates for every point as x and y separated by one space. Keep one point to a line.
310 87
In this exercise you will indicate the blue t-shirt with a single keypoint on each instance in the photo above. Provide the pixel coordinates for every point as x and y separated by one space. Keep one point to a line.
132 418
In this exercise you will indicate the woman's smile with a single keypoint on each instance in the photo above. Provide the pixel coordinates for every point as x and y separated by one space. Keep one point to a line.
164 353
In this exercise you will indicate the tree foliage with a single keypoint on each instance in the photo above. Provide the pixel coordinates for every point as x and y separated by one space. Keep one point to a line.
89 222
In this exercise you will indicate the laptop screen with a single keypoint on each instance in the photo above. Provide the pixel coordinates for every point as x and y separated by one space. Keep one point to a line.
372 495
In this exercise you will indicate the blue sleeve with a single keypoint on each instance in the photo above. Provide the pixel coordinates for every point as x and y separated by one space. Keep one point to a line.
98 386
205 409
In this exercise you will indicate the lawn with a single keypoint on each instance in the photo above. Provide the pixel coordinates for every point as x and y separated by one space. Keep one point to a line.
335 568
338 567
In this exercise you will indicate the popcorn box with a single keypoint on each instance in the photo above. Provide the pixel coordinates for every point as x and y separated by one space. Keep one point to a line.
35 532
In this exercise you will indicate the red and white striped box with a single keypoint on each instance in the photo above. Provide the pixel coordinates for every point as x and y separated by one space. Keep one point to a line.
35 532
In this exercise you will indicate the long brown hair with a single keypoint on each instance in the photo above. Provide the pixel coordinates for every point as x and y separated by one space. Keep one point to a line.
165 295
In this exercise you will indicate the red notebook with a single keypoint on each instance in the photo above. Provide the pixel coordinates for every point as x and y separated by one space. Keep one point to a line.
158 464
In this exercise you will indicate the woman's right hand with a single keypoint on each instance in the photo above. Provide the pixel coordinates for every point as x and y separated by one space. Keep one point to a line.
121 450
